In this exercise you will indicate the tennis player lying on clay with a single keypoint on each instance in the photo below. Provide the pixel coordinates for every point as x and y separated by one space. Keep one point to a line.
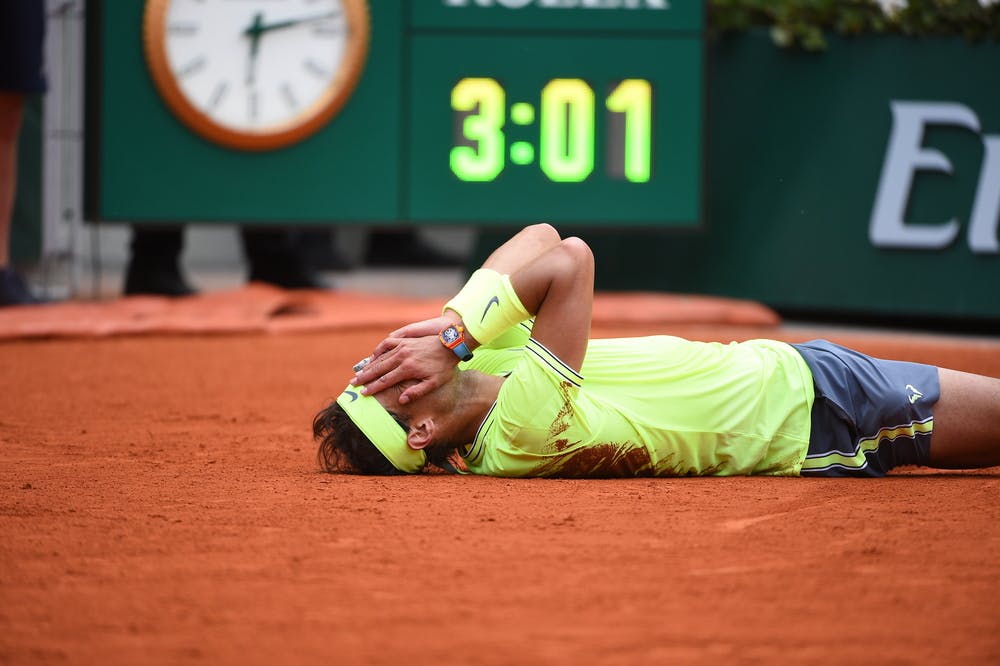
482 389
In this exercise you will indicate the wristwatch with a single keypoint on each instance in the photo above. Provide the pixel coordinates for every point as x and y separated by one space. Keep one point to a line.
453 337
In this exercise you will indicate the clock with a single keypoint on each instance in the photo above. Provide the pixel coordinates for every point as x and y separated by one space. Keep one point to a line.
255 74
568 126
567 130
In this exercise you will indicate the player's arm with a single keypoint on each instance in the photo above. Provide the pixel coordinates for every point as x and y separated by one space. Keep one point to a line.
558 289
520 250
414 352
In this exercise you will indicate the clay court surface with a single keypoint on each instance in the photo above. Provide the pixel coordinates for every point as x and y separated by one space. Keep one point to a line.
160 504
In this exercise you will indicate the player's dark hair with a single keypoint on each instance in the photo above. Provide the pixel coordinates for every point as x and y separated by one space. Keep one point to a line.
344 448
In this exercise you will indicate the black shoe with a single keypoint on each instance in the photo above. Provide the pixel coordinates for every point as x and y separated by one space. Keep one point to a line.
320 250
278 257
155 280
406 248
13 290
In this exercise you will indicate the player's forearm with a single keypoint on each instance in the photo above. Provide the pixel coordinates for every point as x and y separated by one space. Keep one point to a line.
559 282
557 286
487 305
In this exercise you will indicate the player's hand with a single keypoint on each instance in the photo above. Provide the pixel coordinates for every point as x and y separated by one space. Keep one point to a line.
424 328
421 329
411 353
424 360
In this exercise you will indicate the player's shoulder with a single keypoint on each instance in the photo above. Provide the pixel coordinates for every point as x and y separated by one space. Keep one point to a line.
547 364
539 380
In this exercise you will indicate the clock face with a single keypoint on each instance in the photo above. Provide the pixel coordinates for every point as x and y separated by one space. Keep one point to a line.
255 74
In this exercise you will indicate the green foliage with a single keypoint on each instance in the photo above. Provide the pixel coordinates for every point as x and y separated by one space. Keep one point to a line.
805 23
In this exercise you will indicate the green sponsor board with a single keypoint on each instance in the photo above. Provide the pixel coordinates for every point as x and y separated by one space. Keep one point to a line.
863 180
501 112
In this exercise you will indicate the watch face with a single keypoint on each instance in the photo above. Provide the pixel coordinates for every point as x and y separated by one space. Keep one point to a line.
255 74
449 334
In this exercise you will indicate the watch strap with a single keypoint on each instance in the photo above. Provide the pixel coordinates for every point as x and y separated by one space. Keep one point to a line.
462 351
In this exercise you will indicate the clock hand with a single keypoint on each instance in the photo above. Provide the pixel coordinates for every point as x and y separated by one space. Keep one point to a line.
257 29
254 33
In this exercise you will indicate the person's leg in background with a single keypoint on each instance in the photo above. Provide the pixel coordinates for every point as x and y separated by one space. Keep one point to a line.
278 256
22 34
13 290
274 255
405 247
154 262
384 248
323 251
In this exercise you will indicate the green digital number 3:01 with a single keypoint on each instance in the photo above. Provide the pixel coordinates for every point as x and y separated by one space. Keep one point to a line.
566 130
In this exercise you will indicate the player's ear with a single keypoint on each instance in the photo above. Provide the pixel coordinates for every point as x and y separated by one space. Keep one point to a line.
421 433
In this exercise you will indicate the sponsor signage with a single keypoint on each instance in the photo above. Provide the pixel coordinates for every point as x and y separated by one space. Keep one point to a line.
863 180
906 157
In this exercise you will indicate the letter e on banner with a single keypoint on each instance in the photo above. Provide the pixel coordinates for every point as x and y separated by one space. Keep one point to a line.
903 159
905 156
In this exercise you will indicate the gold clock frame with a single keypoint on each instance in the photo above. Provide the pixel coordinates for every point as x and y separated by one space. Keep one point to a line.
303 125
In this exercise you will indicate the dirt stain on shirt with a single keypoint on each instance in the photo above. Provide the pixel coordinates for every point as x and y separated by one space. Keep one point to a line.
596 461
564 417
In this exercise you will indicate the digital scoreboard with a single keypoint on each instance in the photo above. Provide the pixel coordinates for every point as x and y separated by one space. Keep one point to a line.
491 112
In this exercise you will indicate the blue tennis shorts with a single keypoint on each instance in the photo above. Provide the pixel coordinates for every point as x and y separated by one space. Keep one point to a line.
870 415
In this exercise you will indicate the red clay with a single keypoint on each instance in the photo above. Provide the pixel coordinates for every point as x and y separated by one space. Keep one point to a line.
160 504
261 308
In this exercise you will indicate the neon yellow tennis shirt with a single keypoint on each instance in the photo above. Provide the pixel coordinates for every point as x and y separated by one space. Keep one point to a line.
654 406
